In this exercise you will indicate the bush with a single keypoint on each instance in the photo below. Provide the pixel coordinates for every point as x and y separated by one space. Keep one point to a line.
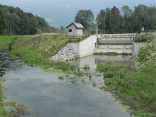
147 37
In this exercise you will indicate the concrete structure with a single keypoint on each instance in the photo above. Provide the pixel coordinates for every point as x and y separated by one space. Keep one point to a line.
85 47
136 48
119 45
116 39
75 29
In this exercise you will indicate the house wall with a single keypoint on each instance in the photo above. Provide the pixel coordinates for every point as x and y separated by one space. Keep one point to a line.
79 32
74 30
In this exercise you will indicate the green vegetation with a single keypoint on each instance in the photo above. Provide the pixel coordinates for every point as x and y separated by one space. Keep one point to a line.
3 113
3 22
38 49
61 77
86 67
7 41
115 20
94 83
22 23
137 79
145 37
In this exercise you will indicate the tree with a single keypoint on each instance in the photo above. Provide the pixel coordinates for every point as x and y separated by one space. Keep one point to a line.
100 19
62 29
85 17
3 22
108 22
127 24
115 16
140 15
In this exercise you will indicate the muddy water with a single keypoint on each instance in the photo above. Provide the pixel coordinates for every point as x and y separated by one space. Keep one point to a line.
47 96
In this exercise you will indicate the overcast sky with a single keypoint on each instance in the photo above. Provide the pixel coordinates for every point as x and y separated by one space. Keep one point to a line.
56 9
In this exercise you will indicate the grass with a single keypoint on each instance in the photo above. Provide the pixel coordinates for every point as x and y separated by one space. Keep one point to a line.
37 50
146 37
3 113
5 41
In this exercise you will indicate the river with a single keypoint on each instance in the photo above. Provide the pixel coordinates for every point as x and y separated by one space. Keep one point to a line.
47 96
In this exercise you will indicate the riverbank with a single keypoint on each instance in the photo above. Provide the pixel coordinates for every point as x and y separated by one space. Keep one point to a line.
136 80
5 41
39 49
3 113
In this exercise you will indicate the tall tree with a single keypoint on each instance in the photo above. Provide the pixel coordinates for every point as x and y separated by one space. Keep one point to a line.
115 16
109 28
127 23
85 17
140 16
100 19
3 22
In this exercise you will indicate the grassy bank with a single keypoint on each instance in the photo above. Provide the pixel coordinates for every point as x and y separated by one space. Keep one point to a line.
136 80
3 113
37 50
5 44
5 41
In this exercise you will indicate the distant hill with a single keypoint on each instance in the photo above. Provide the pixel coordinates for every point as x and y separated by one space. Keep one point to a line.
22 23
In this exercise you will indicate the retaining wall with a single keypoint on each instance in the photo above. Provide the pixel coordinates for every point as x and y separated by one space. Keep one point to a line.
85 47
136 47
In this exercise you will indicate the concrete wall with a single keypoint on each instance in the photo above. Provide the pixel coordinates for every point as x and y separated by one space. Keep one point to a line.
118 35
115 46
85 47
74 30
135 48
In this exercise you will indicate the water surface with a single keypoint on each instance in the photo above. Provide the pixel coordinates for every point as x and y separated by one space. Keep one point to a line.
47 96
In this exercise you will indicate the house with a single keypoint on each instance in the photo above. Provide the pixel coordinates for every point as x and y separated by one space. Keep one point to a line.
75 29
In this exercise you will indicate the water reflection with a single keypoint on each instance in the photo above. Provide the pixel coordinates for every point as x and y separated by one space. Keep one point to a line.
94 60
48 96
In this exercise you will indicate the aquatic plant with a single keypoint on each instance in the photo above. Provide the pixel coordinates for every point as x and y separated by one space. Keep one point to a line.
20 110
94 83
3 113
61 77
98 75
90 77
72 67
83 80
86 67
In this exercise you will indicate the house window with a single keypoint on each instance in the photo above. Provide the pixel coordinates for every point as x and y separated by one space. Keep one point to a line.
70 30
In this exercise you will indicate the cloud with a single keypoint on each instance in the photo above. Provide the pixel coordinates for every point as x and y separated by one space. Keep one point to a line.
69 6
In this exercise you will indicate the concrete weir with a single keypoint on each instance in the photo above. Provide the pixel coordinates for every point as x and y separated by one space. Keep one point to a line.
118 43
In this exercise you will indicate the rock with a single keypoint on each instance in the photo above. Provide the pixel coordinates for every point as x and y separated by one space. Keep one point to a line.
65 54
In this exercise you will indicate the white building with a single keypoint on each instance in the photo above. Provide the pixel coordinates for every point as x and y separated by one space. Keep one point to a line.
75 29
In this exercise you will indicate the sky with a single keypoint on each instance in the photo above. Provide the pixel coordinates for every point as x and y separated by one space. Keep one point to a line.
63 12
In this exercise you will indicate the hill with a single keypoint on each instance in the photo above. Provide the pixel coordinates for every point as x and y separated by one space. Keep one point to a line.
22 23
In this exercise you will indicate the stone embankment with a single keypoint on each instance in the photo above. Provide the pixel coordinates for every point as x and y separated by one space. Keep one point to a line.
65 54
